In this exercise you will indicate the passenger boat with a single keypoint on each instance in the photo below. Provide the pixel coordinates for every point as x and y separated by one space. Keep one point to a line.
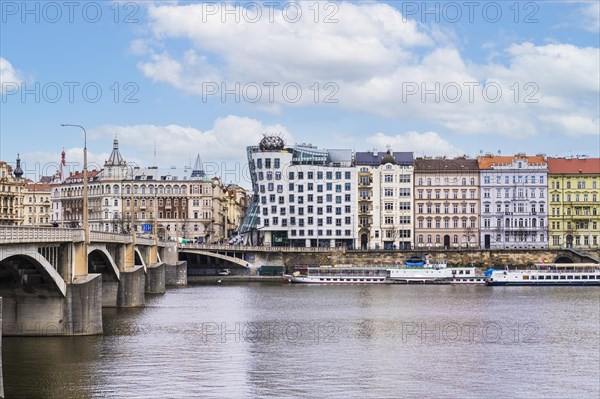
547 274
341 275
347 274
443 274
466 279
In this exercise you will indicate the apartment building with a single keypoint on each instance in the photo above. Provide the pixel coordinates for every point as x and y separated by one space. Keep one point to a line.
446 202
574 202
514 201
385 198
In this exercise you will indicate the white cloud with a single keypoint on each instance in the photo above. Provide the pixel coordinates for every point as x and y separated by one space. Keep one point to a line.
591 16
374 57
8 76
427 143
221 148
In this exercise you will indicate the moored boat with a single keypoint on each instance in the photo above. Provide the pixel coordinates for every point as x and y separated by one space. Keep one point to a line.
340 275
547 274
431 274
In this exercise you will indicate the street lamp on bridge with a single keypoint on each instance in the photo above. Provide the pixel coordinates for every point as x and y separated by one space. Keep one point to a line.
86 227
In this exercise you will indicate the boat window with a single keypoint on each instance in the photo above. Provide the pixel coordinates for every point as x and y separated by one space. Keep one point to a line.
598 276
570 277
563 277
554 277
460 272
471 280
577 277
584 277
526 277
467 272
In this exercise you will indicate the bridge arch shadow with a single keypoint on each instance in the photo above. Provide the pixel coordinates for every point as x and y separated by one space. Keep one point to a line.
31 271
100 261
563 259
231 259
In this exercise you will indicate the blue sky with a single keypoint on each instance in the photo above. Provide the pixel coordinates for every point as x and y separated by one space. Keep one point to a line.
162 67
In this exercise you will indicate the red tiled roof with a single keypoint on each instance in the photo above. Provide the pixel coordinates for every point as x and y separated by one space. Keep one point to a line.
38 187
79 175
486 162
573 165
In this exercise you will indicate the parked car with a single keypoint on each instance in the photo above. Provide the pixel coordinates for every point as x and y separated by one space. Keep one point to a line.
224 272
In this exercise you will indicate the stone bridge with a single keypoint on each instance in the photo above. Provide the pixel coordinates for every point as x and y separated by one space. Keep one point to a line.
54 283
254 256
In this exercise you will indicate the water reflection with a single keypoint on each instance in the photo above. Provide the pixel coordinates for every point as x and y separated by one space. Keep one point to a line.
265 340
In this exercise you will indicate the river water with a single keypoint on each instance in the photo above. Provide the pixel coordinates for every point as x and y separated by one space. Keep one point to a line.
277 340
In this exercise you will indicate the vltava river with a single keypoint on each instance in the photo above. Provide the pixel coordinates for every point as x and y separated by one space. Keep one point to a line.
275 340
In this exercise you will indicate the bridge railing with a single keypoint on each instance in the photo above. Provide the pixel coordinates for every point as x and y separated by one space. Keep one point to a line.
102 236
257 248
31 234
27 234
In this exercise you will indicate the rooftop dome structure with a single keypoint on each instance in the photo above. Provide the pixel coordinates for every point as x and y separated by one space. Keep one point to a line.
271 143
18 172
388 158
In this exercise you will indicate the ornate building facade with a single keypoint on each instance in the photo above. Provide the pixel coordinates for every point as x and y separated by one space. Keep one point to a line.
385 199
574 194
446 203
11 194
174 203
514 201
36 205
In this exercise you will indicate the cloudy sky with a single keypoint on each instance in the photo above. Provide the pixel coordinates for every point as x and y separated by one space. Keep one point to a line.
187 78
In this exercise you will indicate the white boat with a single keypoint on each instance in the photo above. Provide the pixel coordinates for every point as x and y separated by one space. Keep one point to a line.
341 275
431 274
466 279
547 274
347 274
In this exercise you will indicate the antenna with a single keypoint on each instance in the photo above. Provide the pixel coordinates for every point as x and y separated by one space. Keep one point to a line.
154 160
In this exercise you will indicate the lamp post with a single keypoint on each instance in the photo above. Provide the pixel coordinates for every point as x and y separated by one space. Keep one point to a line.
86 227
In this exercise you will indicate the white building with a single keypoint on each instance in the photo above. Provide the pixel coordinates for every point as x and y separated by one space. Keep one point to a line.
385 198
171 202
514 201
304 196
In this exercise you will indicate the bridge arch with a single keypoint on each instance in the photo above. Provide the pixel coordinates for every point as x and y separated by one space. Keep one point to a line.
232 259
100 252
563 259
46 270
139 258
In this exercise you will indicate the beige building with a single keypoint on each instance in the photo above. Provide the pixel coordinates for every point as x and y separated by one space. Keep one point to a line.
446 203
174 203
385 197
36 205
235 207
11 194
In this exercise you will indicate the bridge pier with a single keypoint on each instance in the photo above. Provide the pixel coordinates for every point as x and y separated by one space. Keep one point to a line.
176 274
155 279
131 288
79 312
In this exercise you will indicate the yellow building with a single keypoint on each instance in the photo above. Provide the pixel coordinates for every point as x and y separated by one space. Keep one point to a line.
36 205
11 194
236 206
574 192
